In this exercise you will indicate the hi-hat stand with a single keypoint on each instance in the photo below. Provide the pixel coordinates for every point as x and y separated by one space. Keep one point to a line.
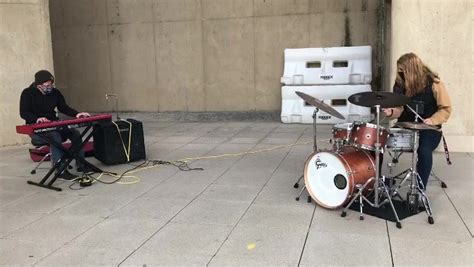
379 183
416 193
417 116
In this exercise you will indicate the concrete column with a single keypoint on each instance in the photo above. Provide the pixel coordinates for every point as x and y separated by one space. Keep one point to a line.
440 32
25 48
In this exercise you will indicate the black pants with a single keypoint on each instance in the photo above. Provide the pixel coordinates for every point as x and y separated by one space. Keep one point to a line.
429 140
59 137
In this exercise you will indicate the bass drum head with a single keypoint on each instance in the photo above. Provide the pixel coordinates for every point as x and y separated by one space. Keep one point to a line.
326 179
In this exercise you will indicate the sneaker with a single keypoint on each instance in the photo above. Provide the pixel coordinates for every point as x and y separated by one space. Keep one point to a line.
66 175
84 169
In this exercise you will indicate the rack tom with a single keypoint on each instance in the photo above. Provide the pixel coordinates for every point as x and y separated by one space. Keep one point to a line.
364 135
341 134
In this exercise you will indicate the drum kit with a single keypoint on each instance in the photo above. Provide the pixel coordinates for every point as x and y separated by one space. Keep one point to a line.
350 171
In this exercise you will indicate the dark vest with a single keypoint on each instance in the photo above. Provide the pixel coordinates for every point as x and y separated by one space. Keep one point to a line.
423 103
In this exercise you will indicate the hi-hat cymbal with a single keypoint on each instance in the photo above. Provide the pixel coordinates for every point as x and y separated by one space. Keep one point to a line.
383 99
321 105
416 126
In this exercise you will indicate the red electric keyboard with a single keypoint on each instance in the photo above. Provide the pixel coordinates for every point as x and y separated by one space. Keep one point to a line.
71 152
30 129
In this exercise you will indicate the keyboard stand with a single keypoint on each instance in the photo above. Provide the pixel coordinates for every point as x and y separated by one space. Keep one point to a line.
69 155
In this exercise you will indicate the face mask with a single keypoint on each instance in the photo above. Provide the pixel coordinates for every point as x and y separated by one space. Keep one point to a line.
47 89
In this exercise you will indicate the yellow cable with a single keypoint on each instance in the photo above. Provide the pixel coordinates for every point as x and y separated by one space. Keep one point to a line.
137 179
245 153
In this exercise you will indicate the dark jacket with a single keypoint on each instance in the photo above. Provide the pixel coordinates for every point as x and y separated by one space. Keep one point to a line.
34 104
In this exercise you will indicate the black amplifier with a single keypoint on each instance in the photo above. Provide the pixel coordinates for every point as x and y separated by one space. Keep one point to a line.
120 141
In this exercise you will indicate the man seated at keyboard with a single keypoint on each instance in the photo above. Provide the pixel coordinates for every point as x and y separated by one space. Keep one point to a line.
37 105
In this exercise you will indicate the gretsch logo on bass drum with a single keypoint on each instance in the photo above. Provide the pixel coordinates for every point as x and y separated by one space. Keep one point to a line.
320 164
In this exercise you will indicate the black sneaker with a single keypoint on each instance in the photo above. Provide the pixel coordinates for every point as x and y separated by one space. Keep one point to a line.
84 169
66 175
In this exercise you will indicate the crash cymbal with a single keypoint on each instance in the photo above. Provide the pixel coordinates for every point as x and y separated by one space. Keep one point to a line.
321 105
384 99
416 126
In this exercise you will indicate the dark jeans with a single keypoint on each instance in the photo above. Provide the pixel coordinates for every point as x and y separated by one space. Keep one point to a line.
429 140
59 137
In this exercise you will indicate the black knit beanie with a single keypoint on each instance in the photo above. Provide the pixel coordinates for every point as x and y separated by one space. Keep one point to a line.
43 76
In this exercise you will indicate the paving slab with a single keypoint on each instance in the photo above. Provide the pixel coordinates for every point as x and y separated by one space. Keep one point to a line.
41 202
333 248
186 239
277 216
251 244
54 230
151 208
144 257
212 212
230 193
92 205
415 251
74 255
326 220
119 233
12 221
25 253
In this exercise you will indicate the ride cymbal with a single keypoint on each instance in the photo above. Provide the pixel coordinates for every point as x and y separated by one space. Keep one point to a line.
383 99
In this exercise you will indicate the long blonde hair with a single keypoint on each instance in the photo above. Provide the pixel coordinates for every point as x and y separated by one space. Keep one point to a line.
416 74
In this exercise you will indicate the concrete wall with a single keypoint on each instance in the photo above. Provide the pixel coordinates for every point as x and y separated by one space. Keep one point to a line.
194 55
25 47
440 32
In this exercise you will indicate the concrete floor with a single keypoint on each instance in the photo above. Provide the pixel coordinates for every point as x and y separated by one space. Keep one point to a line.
239 211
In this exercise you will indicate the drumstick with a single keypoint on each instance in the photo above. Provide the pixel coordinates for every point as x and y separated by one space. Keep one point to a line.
416 114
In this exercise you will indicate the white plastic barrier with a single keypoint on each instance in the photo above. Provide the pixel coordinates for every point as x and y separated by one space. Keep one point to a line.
333 65
295 110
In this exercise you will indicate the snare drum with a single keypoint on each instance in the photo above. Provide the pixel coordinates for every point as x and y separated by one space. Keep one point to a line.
341 134
400 140
330 177
364 135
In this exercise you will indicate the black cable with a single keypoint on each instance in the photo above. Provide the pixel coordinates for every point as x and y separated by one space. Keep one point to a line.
181 165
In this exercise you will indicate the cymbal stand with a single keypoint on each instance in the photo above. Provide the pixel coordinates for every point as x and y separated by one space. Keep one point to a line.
315 148
379 183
